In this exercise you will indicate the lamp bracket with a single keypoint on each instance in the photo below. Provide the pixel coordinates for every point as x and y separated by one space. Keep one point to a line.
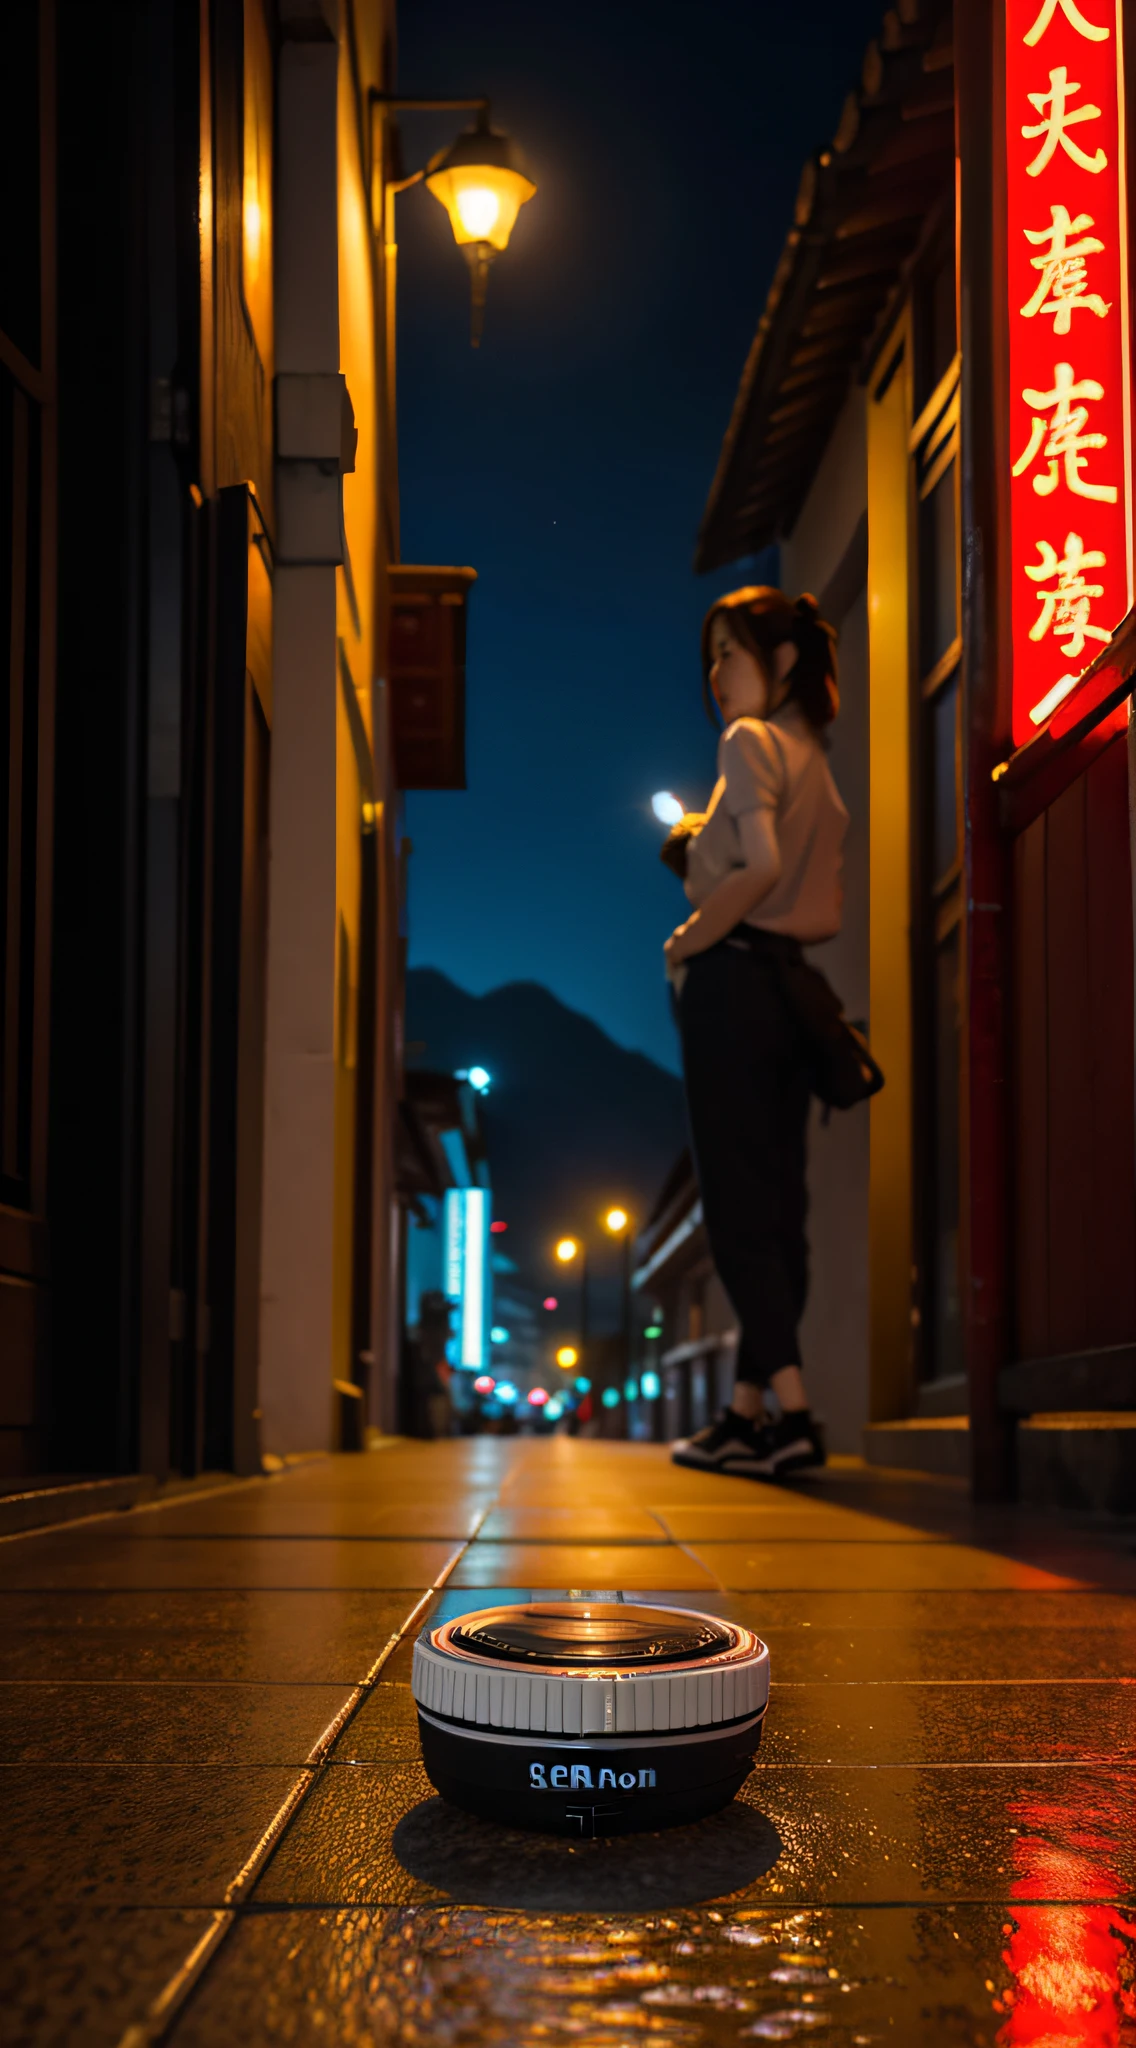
398 104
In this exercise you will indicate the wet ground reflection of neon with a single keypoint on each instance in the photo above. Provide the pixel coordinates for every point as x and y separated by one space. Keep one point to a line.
1072 1966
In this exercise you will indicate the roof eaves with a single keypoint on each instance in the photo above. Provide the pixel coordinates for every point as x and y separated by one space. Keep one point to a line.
831 246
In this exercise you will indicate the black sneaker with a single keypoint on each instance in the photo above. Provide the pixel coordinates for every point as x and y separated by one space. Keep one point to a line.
729 1445
791 1444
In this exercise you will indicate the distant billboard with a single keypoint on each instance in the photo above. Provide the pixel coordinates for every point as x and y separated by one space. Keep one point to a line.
465 1268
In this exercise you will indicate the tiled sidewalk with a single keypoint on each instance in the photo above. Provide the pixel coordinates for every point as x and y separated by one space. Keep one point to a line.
216 1823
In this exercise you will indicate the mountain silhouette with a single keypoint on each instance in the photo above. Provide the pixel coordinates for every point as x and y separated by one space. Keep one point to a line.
573 1122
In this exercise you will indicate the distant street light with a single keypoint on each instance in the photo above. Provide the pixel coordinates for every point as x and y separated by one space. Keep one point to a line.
570 1248
618 1222
567 1357
667 808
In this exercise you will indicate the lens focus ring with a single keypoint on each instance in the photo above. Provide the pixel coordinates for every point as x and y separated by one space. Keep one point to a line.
481 1691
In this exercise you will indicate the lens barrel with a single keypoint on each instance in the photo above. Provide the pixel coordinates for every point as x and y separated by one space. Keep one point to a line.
586 1718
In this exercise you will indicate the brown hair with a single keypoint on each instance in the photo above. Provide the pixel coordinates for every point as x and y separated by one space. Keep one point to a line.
763 619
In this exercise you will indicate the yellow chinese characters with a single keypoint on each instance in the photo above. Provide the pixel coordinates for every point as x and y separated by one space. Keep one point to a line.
1066 608
1064 270
1060 439
1073 16
1055 127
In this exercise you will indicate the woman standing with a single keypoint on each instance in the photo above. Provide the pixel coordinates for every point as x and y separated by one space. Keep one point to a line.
762 870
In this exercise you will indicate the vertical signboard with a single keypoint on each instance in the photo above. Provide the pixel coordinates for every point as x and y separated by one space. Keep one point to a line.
465 1268
1070 397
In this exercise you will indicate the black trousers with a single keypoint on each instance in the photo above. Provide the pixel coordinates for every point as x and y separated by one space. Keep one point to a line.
747 1094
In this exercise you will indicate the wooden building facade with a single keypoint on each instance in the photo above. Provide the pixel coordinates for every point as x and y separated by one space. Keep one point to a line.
201 916
934 425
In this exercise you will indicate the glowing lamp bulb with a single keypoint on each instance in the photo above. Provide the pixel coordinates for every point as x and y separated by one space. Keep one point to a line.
550 1302
616 1220
479 210
566 1250
567 1357
667 808
479 1078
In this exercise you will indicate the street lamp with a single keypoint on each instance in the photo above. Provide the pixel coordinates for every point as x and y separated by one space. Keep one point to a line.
568 1249
481 182
618 1223
567 1357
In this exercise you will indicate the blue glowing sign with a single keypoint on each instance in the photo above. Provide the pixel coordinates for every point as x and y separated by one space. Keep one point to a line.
465 1267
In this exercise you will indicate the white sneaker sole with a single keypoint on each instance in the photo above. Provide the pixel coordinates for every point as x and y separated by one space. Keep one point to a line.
696 1462
795 1457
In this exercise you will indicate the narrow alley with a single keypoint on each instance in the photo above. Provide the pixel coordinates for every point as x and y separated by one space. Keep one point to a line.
219 1829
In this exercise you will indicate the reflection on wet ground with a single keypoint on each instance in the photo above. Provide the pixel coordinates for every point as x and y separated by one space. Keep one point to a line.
937 1846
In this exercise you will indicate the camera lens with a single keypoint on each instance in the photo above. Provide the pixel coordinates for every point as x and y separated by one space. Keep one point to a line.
589 1718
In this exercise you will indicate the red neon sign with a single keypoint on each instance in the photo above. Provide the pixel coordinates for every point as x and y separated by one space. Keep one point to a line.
1070 395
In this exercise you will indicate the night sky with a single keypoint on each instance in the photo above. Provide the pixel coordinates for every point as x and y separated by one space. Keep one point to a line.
569 460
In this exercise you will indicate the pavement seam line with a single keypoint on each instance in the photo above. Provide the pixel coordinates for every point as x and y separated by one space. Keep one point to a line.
140 1507
175 1993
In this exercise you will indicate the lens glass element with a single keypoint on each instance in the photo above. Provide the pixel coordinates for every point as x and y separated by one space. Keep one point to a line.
562 1633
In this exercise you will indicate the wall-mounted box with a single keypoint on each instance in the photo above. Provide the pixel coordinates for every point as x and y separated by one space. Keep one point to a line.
427 675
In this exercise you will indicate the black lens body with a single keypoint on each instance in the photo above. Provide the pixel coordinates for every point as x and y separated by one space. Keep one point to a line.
587 1720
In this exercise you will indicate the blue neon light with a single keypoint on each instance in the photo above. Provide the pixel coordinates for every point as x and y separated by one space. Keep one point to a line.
465 1265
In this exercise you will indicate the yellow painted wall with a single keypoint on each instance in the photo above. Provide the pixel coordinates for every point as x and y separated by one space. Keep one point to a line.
889 964
356 609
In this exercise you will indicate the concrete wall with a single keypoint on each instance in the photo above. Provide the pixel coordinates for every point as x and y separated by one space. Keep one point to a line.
835 1331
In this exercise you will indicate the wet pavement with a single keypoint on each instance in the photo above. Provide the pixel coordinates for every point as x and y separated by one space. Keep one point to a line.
217 1827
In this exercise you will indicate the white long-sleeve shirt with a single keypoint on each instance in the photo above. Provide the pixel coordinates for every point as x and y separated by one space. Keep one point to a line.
777 769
